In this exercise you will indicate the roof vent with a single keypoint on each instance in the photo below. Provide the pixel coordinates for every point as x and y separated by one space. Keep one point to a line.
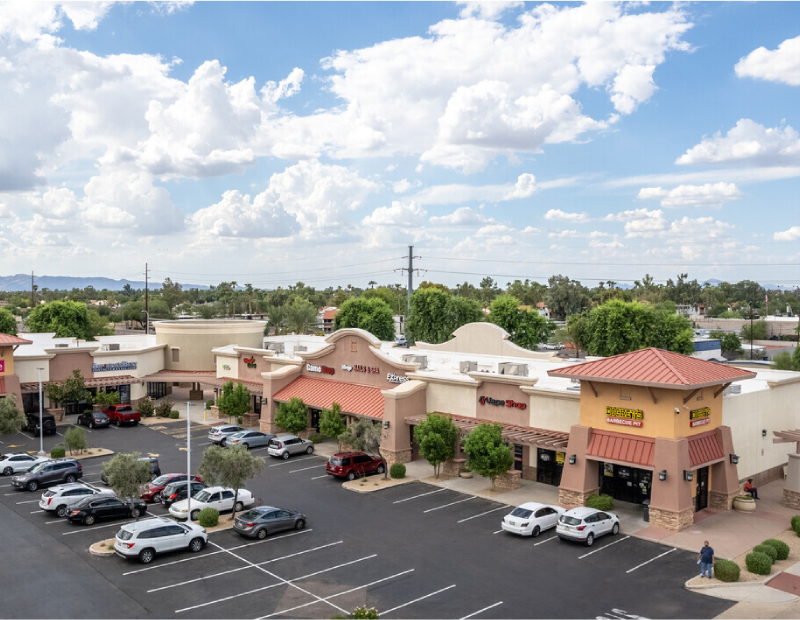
468 366
275 346
513 368
113 346
574 388
300 347
61 346
422 360
736 389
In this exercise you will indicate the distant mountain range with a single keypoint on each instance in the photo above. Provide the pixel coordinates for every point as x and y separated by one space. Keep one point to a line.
22 282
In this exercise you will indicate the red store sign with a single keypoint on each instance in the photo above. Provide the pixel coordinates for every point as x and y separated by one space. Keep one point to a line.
325 370
487 400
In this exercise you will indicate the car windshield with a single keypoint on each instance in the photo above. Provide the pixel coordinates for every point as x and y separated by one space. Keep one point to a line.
36 468
250 514
337 462
523 513
100 416
569 520
237 435
49 493
161 480
124 535
202 496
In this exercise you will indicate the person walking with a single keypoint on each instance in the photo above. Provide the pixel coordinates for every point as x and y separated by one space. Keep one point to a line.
749 488
706 559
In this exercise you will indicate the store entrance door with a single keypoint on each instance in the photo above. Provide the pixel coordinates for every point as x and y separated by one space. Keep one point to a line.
627 484
549 465
518 452
702 488
315 419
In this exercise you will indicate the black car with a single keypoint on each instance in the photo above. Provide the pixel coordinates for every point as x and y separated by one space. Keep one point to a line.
153 460
32 423
95 508
94 419
176 491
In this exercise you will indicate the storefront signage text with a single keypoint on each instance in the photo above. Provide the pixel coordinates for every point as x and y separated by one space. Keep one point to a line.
393 378
369 369
699 417
2 365
325 370
347 368
112 367
625 417
250 361
225 367
487 400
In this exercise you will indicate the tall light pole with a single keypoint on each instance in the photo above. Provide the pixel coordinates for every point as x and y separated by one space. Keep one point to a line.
147 325
41 427
188 462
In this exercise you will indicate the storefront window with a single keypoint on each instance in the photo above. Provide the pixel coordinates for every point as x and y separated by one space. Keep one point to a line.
156 390
549 465
627 484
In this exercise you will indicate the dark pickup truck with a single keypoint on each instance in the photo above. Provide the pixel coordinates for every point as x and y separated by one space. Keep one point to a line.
122 414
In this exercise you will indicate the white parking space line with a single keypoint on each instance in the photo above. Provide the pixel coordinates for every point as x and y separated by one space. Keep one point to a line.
56 521
475 613
24 435
30 501
327 598
651 560
205 443
84 529
5 485
234 570
294 471
421 598
544 541
484 513
407 499
286 462
33 512
59 434
601 548
14 493
318 477
199 557
460 501
497 532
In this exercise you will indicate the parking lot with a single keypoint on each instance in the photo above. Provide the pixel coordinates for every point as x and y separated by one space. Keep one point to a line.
411 551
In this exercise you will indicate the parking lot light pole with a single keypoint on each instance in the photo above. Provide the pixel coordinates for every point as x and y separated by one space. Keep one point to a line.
41 427
188 463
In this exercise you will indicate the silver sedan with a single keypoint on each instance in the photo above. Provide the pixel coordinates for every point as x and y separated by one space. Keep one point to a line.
249 439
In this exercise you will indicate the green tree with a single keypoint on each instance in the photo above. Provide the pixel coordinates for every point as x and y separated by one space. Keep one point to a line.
75 439
11 418
435 315
68 319
301 315
8 324
332 424
565 297
98 324
126 474
759 331
373 315
292 417
231 468
527 328
276 318
74 388
363 435
234 401
436 436
487 453
783 361
171 293
206 311
730 343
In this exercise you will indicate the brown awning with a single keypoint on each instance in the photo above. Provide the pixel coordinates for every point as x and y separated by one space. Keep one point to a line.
525 435
91 382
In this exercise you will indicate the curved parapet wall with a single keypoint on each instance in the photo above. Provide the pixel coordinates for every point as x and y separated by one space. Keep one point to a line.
484 339
190 343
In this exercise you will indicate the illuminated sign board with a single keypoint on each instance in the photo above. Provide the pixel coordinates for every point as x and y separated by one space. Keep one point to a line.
486 400
625 417
699 417
393 378
325 370
113 367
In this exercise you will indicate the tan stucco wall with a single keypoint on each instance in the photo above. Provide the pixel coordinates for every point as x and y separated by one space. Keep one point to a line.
7 355
27 369
196 340
553 411
455 399
228 367
484 339
147 363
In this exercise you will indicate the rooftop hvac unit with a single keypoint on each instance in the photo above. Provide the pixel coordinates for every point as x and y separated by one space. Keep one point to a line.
300 347
513 368
113 346
468 366
275 346
61 346
574 388
422 360
736 389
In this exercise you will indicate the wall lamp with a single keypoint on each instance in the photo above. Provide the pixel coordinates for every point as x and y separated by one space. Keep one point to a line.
573 459
764 432
386 424
734 459
688 476
662 475
677 411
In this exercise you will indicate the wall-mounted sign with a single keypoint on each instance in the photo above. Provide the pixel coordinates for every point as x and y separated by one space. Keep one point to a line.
370 369
699 417
608 470
625 417
560 457
347 368
486 400
393 378
250 361
2 365
113 367
225 367
325 370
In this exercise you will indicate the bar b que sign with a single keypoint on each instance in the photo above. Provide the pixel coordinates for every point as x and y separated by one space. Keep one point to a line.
699 417
625 417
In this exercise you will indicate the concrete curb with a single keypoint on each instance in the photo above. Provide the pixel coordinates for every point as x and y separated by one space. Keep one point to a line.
99 549
356 487
98 452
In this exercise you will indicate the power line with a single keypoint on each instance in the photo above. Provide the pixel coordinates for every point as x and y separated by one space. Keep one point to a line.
276 273
593 263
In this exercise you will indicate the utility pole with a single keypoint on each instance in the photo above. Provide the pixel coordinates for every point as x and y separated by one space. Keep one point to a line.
751 331
146 302
410 270
33 293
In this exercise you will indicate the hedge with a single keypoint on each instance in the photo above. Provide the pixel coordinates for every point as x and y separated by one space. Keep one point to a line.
758 563
725 570
796 524
208 517
316 438
397 470
600 502
174 415
781 547
58 453
769 550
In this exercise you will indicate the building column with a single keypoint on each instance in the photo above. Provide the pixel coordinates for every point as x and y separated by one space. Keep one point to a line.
791 489
724 476
671 499
405 400
580 480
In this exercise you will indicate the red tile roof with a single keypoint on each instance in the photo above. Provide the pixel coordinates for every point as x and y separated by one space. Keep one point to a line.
704 448
654 367
7 339
610 446
329 314
353 398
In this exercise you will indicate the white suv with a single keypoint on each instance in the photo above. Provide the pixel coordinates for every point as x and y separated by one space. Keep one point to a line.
584 524
145 539
62 497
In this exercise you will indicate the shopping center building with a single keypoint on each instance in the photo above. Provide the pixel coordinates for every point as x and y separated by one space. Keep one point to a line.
650 426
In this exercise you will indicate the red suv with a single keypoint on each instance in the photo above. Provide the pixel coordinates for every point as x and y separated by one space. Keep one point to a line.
152 492
352 465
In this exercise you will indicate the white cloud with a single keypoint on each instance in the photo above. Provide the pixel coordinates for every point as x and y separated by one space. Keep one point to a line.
780 65
463 216
792 234
456 193
747 142
403 185
633 214
558 214
493 230
530 230
643 223
491 9
236 216
563 234
708 195
407 214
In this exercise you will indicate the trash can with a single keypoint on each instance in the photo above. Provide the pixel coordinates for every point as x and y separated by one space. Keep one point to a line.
646 510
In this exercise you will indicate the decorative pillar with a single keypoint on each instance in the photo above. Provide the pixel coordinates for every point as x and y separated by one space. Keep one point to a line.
671 499
580 480
724 475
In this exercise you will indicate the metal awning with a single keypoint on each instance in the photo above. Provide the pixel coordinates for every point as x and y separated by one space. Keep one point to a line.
787 437
525 435
205 377
92 382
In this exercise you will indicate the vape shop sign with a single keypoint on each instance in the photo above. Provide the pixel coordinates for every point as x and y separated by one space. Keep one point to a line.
625 417
699 417
487 400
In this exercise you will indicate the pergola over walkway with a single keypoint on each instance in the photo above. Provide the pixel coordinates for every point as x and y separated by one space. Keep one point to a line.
204 377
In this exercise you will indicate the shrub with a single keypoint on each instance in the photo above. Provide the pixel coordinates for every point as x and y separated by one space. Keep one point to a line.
365 613
58 452
725 570
769 550
174 415
164 408
796 524
600 502
316 438
209 404
146 408
208 517
758 563
781 547
75 439
397 471
466 470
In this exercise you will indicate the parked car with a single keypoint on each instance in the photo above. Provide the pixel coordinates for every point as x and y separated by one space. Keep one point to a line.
287 445
264 520
48 472
352 465
92 509
531 518
60 499
15 463
122 414
176 491
219 434
584 524
153 461
249 439
146 539
94 419
401 341
32 423
152 492
212 497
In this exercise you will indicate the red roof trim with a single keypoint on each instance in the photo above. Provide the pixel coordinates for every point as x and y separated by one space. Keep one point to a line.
704 448
610 446
7 339
353 398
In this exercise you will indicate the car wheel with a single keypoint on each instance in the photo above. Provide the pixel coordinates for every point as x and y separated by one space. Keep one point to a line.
136 422
135 513
157 498
246 446
223 443
62 511
262 533
33 485
615 529
49 427
237 507
285 455
351 475
91 424
301 524
380 469
535 531
88 520
194 515
196 545
146 556
116 421
71 478
8 471
590 540
310 450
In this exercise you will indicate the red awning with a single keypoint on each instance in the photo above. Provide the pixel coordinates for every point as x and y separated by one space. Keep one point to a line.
610 446
318 393
704 448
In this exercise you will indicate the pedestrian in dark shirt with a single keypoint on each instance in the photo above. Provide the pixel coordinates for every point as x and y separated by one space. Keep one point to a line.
706 557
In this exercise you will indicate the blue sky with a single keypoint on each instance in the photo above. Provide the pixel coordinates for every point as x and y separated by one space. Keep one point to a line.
275 142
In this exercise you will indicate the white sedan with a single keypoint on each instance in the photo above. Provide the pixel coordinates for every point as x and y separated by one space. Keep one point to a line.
16 463
531 518
220 498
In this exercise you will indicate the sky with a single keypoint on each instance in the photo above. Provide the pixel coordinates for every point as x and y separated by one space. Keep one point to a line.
269 143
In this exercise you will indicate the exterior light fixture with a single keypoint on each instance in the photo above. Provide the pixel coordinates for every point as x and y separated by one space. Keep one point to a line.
386 424
734 459
688 476
764 432
573 459
662 475
677 411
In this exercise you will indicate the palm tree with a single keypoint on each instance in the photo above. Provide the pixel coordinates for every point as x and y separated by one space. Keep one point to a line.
249 298
301 314
276 318
372 283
